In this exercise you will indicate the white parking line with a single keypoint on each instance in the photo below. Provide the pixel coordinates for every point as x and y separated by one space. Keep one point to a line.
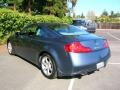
113 36
71 84
114 63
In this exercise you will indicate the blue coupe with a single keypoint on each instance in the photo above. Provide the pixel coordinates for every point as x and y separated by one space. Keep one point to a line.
60 49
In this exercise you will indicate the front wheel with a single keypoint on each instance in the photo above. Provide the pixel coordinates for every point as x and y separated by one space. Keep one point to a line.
10 48
48 66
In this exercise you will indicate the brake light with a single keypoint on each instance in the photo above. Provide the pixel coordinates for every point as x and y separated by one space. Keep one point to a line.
76 47
106 44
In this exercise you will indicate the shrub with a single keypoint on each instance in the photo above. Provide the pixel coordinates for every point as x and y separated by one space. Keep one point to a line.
11 21
67 20
107 19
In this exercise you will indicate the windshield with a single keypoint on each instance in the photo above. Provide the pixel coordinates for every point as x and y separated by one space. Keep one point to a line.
64 29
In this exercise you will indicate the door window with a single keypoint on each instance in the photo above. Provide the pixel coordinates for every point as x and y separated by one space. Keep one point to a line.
30 30
41 33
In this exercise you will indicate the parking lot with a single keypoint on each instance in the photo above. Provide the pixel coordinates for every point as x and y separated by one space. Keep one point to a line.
17 74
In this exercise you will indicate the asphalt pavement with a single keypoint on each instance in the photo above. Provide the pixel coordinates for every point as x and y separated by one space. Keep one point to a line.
17 74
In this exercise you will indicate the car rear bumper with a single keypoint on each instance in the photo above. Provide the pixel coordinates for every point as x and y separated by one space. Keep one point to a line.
81 64
89 68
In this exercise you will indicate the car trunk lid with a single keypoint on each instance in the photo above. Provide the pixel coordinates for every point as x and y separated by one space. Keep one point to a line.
88 40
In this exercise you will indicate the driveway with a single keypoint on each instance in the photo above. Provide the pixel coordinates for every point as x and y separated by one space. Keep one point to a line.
18 74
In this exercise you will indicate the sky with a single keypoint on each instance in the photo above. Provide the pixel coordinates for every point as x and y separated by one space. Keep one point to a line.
98 6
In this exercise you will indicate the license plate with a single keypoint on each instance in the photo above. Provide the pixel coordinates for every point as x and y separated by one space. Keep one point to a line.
100 65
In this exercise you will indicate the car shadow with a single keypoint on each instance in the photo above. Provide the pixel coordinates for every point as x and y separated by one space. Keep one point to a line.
78 76
70 77
27 61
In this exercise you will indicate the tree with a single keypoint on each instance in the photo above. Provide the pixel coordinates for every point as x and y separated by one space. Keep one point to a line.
91 15
112 14
73 2
82 15
78 16
50 7
105 13
5 1
117 14
15 3
27 5
12 3
47 7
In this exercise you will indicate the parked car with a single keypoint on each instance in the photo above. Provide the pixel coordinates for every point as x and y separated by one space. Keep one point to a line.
60 49
88 25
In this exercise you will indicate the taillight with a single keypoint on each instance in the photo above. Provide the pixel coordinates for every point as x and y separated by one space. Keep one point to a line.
76 47
106 44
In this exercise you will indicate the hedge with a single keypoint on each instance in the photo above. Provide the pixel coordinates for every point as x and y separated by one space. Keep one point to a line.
107 19
11 21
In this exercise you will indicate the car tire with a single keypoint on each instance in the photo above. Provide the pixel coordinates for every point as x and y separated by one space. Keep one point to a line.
48 66
10 48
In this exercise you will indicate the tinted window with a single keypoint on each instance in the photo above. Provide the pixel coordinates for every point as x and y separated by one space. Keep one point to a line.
30 30
67 29
41 33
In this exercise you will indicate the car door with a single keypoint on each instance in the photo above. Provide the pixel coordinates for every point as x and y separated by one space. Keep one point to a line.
38 42
24 44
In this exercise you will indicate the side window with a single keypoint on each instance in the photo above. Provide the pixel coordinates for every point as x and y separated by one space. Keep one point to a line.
40 32
30 30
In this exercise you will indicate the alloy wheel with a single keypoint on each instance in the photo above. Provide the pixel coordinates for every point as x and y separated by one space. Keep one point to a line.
10 49
48 66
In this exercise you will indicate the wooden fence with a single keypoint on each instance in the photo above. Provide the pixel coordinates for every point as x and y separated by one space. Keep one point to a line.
108 25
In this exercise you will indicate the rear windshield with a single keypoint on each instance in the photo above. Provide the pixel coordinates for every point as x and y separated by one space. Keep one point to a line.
67 29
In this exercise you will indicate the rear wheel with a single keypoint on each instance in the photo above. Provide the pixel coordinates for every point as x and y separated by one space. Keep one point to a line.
48 66
10 48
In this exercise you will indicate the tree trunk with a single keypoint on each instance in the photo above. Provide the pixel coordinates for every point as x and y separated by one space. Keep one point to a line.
29 6
14 6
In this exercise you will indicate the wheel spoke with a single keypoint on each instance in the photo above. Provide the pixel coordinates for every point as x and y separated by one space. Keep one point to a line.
50 69
50 66
44 63
44 69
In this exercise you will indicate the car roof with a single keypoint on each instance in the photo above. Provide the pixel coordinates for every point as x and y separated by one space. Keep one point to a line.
42 24
48 24
45 24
